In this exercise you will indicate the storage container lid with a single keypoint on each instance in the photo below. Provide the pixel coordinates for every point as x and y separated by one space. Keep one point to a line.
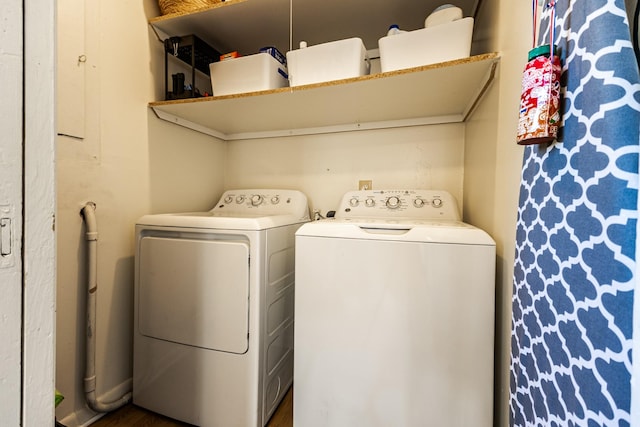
541 50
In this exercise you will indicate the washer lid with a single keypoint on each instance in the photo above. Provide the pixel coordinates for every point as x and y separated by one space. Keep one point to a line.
423 231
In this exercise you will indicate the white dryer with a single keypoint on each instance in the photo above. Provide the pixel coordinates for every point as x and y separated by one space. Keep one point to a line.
394 321
213 316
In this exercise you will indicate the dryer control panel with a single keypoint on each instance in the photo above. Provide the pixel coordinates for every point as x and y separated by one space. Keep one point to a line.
262 202
390 204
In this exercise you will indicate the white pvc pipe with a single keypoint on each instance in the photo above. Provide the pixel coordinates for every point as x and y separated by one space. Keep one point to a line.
88 212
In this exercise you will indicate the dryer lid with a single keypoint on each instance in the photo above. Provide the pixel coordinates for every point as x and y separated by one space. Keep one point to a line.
253 209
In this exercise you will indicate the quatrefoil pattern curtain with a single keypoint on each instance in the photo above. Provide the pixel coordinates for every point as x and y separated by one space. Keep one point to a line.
575 271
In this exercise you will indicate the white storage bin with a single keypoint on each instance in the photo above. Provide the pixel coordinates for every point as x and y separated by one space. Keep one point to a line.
247 74
440 43
325 62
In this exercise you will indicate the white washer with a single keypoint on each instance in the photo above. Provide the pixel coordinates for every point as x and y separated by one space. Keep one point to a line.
214 295
394 322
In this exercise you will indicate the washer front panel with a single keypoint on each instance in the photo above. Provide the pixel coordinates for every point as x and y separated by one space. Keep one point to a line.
393 333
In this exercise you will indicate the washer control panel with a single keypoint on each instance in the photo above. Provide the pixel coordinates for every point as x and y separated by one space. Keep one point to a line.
390 204
262 202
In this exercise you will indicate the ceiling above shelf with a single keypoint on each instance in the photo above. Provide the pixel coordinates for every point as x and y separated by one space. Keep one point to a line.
248 25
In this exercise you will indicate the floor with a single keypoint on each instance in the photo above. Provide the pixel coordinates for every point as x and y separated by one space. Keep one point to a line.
133 416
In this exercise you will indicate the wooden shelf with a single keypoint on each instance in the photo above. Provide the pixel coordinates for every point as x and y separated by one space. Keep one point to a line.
241 25
438 93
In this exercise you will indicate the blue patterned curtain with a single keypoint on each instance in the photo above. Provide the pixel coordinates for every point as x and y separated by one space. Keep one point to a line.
575 270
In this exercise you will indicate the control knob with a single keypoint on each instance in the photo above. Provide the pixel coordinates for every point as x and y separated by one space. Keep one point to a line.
370 202
228 199
354 202
418 203
256 199
239 199
275 200
393 202
436 203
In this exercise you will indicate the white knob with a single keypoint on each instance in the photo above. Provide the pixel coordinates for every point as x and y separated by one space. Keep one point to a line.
370 202
256 199
239 199
275 200
418 203
393 202
436 203
353 202
228 199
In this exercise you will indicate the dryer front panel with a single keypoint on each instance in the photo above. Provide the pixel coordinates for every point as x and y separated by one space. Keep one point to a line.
195 292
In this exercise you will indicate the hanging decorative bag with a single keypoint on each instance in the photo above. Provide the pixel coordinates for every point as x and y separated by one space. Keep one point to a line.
540 99
184 6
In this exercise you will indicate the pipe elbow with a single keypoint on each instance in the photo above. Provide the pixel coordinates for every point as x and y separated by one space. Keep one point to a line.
102 407
89 214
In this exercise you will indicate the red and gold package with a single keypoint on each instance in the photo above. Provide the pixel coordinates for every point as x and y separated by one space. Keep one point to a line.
229 55
540 99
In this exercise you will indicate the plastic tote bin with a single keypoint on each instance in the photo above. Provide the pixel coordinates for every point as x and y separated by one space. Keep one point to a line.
440 43
247 74
341 59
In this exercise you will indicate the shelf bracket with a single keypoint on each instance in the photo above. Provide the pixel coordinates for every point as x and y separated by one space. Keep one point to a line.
188 124
352 127
488 81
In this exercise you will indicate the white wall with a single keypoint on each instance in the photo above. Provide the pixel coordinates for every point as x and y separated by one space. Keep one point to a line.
493 164
326 166
129 164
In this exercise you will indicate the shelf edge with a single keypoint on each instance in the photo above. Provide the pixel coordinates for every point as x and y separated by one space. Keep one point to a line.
170 16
